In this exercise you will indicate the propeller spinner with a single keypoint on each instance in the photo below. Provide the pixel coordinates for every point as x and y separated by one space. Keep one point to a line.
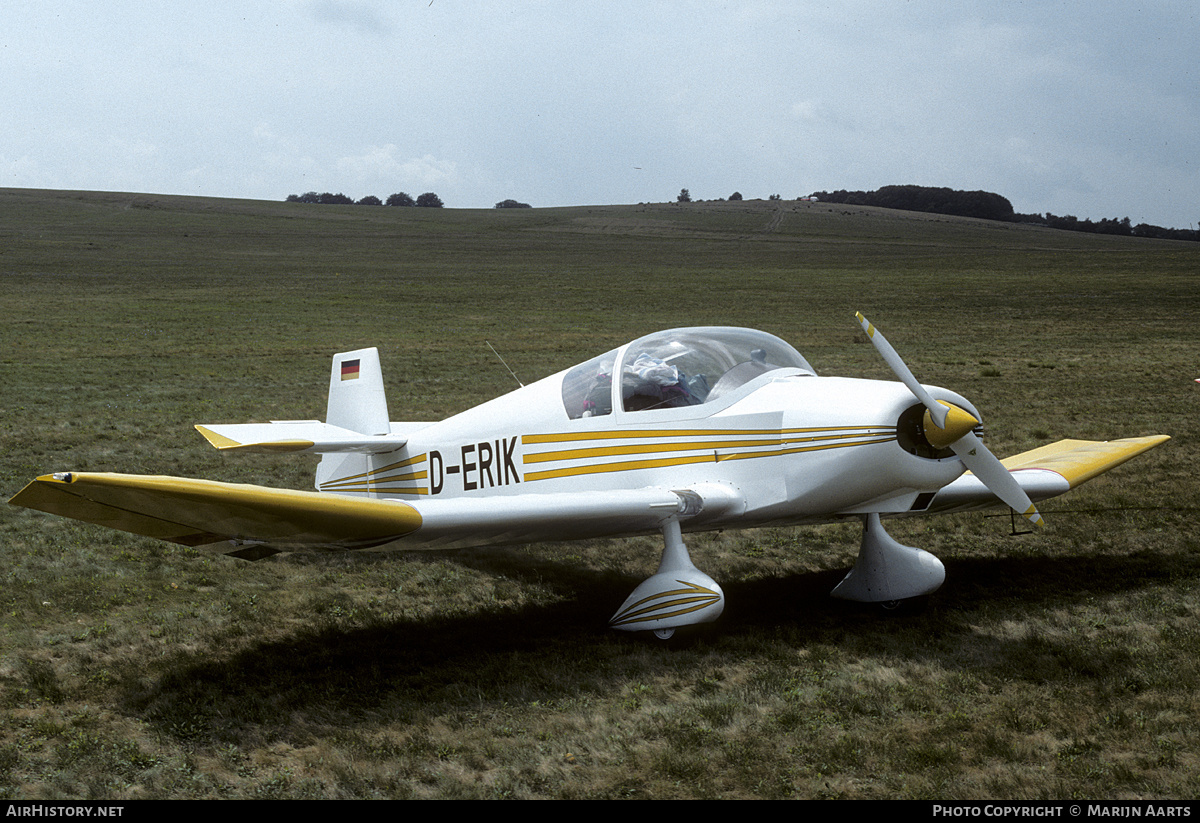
947 425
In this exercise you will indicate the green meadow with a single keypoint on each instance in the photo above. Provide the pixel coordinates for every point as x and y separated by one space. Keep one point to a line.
1061 664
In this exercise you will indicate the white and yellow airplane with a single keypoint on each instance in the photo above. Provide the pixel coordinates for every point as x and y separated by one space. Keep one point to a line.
680 431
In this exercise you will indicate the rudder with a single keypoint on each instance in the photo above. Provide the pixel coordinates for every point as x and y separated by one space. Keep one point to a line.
356 398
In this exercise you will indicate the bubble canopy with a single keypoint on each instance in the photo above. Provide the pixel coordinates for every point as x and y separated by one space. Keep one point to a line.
675 368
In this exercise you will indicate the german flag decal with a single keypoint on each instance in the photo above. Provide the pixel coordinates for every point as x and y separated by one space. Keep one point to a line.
349 369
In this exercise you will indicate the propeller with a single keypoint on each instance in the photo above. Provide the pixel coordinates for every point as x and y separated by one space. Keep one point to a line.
948 425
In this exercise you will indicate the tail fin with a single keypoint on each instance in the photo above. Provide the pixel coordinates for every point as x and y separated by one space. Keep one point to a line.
356 398
357 417
356 402
356 443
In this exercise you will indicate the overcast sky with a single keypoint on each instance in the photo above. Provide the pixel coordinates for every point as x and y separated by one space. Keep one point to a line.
1083 108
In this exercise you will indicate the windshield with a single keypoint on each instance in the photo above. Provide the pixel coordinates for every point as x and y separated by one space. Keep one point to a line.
680 367
587 388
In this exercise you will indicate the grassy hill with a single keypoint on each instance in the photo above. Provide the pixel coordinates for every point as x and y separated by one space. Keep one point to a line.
1049 665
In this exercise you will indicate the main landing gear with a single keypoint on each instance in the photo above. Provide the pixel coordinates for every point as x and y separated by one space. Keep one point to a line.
678 594
888 572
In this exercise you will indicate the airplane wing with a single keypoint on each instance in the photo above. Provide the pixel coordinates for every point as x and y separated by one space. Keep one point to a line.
199 512
1044 472
261 521
258 521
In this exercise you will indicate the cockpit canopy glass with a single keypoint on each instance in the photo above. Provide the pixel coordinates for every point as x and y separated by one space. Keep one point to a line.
587 388
680 367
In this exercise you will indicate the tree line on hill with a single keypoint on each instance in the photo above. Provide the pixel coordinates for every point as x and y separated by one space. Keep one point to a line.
982 204
1109 226
685 196
990 206
426 200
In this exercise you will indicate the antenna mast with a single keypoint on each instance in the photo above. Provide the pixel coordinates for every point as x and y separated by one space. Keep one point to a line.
501 359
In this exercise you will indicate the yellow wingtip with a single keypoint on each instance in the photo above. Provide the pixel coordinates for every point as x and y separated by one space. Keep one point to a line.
1080 460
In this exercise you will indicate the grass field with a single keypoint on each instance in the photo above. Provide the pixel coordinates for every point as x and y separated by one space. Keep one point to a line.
1052 665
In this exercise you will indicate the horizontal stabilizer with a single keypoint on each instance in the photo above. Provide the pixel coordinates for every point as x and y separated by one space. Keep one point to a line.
199 512
299 436
1044 472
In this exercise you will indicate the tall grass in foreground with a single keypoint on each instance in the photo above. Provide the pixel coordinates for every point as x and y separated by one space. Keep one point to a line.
1057 664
